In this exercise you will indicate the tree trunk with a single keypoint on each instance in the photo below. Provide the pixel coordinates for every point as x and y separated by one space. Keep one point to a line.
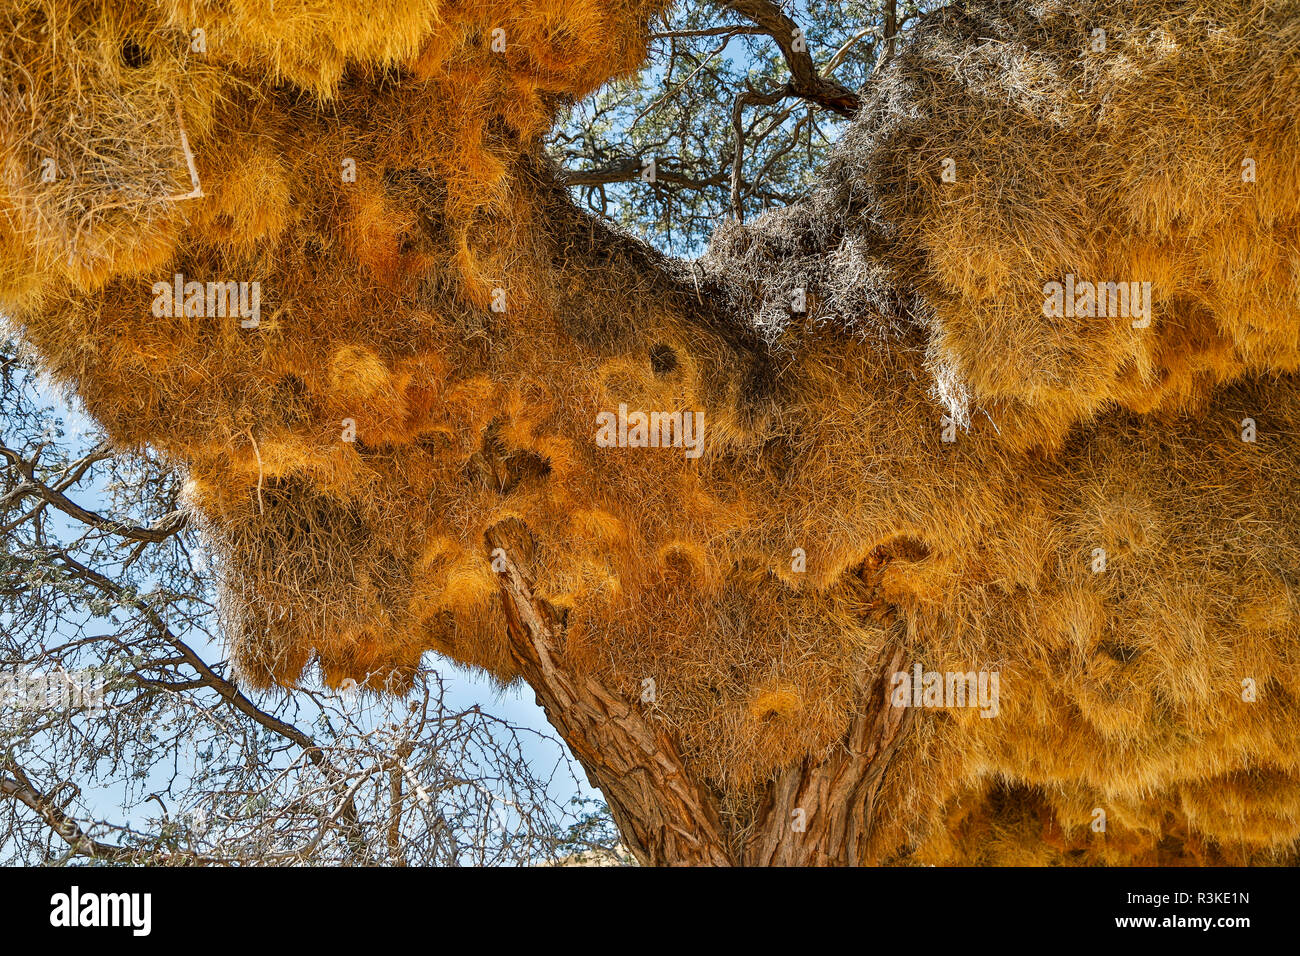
816 813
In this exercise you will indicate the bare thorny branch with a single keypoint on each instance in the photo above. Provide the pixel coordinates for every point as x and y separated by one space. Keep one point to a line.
401 779
698 174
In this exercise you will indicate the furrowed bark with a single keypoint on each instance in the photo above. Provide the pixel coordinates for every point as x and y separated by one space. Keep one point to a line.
817 813
665 817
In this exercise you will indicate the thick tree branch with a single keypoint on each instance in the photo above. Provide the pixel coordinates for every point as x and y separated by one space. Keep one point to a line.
891 27
19 787
629 169
31 486
817 812
820 811
665 815
708 32
805 80
748 98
